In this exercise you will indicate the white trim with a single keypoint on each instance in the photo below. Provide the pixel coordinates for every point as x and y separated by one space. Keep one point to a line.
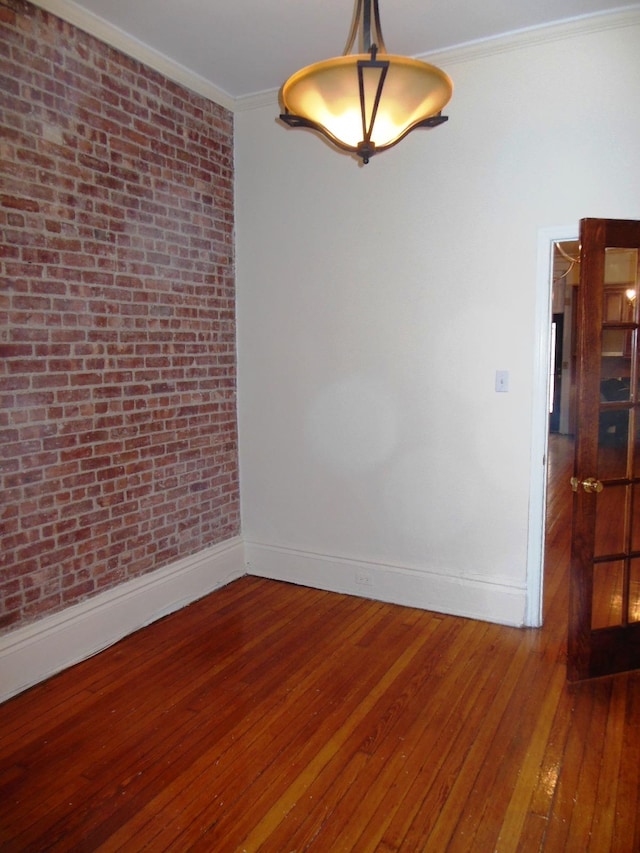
532 36
108 33
487 600
540 425
483 48
268 98
119 39
37 651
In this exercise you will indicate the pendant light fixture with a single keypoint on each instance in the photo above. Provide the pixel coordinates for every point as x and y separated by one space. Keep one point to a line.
366 102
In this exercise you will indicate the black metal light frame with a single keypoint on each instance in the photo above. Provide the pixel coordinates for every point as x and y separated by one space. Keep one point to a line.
366 148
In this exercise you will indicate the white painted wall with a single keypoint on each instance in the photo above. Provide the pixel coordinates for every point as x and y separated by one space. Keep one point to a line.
375 305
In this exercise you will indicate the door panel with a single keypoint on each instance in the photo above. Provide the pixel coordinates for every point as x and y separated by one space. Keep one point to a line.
604 613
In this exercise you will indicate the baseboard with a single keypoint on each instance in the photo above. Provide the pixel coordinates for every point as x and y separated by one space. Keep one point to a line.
487 600
30 654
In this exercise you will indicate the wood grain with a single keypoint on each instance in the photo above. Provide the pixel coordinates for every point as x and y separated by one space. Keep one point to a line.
269 717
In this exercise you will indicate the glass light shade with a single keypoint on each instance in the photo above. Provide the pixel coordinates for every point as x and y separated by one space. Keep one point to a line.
327 95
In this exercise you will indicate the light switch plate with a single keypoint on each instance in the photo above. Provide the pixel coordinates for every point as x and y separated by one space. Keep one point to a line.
502 381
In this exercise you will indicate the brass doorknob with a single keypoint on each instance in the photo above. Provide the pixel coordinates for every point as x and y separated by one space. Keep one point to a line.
590 485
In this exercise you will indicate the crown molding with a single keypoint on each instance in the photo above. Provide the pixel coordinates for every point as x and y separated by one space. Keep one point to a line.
532 36
268 98
517 40
122 41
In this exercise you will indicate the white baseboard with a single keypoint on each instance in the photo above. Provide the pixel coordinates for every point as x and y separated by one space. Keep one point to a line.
30 654
489 601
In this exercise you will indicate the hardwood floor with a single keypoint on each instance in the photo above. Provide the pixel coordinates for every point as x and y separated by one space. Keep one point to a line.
273 718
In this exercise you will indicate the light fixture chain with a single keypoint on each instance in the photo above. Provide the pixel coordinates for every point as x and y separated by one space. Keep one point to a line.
366 12
366 27
351 40
378 28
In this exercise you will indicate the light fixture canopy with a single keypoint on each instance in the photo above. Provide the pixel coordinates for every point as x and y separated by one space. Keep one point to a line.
366 102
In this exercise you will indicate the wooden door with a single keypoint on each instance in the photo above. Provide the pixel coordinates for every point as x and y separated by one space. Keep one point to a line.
604 605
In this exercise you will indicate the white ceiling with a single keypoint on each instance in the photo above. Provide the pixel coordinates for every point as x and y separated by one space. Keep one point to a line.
243 47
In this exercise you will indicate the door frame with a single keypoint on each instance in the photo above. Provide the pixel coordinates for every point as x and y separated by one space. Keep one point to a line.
547 237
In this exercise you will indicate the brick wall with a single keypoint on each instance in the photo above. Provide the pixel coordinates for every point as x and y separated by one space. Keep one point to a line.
118 442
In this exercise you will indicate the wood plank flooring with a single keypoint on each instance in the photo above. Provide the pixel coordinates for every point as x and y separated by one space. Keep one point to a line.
273 718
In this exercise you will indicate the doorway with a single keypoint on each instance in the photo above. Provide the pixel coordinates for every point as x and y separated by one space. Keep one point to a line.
555 371
564 279
604 588
548 267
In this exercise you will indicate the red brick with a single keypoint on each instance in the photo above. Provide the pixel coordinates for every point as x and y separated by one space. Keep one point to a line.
121 321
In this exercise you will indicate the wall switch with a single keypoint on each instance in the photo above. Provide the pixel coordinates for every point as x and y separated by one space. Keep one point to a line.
502 381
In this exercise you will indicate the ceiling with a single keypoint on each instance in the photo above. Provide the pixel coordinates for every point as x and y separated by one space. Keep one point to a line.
243 47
